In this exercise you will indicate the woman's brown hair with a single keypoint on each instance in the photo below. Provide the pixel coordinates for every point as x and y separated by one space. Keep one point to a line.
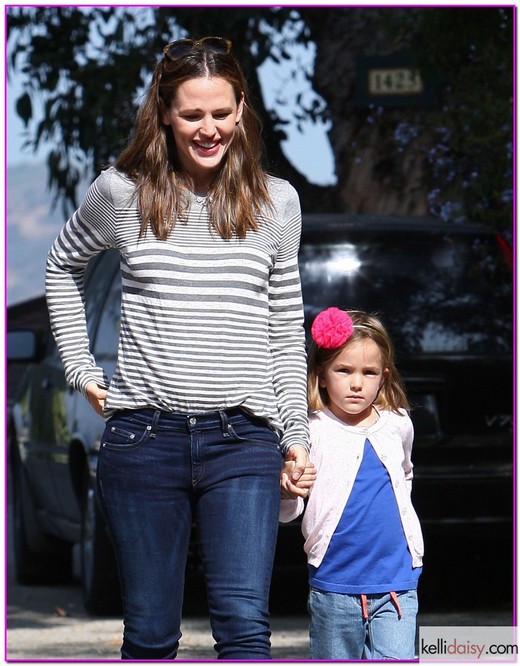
392 394
239 191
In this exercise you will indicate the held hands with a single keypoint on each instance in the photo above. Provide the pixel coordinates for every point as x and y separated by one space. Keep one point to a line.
96 397
298 473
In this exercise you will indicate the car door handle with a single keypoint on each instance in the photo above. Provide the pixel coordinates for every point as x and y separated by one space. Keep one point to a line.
47 384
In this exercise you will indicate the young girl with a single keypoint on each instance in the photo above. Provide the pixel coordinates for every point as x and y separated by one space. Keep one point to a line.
362 536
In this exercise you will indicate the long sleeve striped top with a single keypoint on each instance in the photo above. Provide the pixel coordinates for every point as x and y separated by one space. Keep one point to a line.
206 323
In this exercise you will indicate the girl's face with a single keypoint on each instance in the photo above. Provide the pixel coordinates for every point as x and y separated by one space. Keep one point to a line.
203 117
353 380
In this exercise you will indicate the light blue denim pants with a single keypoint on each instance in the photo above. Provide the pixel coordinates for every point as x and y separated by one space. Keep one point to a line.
339 630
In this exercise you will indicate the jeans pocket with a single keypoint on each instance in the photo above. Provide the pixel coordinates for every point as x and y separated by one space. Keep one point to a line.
123 434
254 431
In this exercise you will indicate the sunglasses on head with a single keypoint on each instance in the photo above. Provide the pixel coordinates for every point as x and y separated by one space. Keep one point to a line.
182 47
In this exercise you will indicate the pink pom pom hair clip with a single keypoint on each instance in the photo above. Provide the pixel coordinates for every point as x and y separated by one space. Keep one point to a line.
332 328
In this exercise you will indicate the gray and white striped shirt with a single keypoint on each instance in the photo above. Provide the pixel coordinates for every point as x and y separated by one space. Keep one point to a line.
206 323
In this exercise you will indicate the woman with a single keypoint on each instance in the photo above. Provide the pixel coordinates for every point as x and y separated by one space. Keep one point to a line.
209 393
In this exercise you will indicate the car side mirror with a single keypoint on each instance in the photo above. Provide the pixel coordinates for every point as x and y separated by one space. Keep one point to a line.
23 346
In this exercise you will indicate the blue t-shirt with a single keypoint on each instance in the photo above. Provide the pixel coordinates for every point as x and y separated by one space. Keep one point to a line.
368 553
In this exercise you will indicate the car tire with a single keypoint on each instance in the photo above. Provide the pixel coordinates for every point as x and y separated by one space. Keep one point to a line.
39 558
100 582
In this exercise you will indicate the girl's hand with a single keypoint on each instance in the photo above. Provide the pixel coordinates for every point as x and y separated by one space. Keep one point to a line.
298 474
96 397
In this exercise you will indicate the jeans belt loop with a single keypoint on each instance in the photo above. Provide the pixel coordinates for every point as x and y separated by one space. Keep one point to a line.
224 423
155 420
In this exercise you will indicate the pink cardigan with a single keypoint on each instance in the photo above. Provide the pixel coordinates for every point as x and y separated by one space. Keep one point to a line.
336 451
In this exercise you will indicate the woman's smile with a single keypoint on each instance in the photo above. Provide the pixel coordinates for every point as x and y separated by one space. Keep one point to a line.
206 148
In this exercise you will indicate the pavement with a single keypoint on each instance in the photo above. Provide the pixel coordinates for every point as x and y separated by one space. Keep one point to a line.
49 623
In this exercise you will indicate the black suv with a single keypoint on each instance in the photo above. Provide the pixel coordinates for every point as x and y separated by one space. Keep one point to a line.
445 293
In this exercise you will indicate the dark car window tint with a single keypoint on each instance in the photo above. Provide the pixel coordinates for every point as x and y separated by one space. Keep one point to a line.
98 278
106 336
436 292
107 333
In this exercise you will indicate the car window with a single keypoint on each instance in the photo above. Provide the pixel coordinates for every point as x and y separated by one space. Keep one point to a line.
436 292
107 333
99 277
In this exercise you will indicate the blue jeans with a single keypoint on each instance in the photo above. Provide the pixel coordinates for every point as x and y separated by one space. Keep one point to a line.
158 473
338 629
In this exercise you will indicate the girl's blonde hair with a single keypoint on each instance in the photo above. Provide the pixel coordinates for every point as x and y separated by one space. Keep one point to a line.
392 394
239 190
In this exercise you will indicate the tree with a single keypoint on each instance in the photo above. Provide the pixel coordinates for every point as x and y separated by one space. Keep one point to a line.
471 130
452 159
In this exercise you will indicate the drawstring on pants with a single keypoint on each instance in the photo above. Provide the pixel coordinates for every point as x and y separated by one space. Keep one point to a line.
364 605
394 598
364 608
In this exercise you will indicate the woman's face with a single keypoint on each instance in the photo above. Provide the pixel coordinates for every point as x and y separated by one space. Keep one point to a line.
203 117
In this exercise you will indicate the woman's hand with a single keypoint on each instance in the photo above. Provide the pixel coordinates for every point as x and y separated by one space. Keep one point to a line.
96 397
298 473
